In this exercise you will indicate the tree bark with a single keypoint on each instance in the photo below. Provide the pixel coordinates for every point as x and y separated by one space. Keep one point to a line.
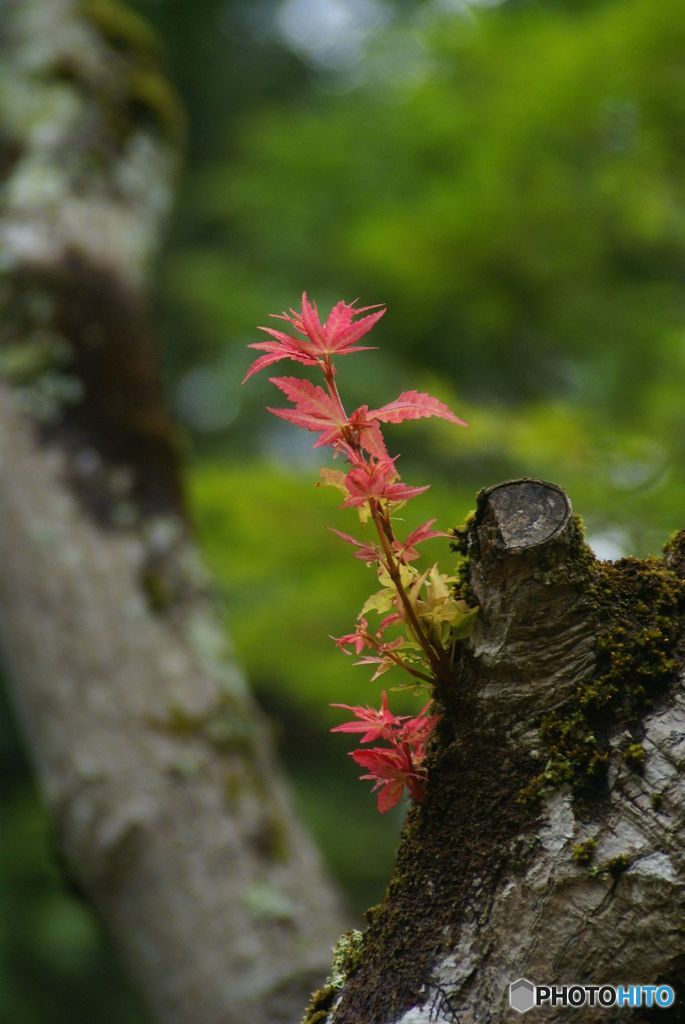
157 768
551 843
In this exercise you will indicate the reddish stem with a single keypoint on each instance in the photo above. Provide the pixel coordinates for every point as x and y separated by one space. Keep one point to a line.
386 535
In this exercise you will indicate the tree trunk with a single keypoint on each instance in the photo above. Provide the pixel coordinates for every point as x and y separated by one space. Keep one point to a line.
551 844
155 763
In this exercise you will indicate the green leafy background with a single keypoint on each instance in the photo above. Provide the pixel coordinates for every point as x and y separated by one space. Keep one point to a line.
509 178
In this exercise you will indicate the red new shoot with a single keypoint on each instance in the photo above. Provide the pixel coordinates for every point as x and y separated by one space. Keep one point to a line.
419 607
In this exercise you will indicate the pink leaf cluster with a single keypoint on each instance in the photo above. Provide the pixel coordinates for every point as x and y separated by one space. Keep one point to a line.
404 550
399 764
377 478
373 486
357 436
338 336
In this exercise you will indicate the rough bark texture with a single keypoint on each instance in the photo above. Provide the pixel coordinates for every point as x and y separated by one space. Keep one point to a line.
157 767
551 844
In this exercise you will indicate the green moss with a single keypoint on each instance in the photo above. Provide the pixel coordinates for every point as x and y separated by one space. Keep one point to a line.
319 1005
656 801
347 954
225 727
634 756
150 95
232 788
35 357
584 852
187 768
464 829
37 367
674 552
617 865
614 867
270 839
372 913
461 534
147 92
264 902
121 27
472 825
23 363
637 606
462 588
159 591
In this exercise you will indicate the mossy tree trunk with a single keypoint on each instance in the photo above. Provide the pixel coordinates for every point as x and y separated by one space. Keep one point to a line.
157 768
551 844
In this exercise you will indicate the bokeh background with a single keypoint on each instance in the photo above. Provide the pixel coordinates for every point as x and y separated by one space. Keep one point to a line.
509 178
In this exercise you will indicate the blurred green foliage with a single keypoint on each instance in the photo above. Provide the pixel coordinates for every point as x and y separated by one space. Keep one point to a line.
509 179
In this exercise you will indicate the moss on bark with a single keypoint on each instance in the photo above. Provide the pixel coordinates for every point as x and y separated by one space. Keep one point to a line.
638 607
464 831
479 825
77 326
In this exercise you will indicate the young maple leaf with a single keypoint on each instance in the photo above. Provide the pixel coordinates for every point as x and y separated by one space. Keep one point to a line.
391 769
406 551
438 603
388 621
368 434
417 731
338 336
414 405
375 723
332 478
360 639
377 479
314 410
365 552
383 659
283 347
400 764
341 332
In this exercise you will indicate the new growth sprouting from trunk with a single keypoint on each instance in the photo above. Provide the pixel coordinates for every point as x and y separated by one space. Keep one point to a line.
551 842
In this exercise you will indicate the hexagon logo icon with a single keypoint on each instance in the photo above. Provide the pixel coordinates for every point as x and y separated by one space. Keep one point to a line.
522 995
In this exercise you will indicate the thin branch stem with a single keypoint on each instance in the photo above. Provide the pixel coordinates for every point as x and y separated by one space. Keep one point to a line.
401 663
382 528
434 653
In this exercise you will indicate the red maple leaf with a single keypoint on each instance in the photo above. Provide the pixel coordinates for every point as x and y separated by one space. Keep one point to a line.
365 552
375 723
341 332
368 434
338 336
284 347
391 769
360 639
377 479
314 410
406 550
417 731
414 405
383 659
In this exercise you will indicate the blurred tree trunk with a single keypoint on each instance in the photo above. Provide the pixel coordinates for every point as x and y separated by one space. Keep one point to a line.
157 768
551 844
